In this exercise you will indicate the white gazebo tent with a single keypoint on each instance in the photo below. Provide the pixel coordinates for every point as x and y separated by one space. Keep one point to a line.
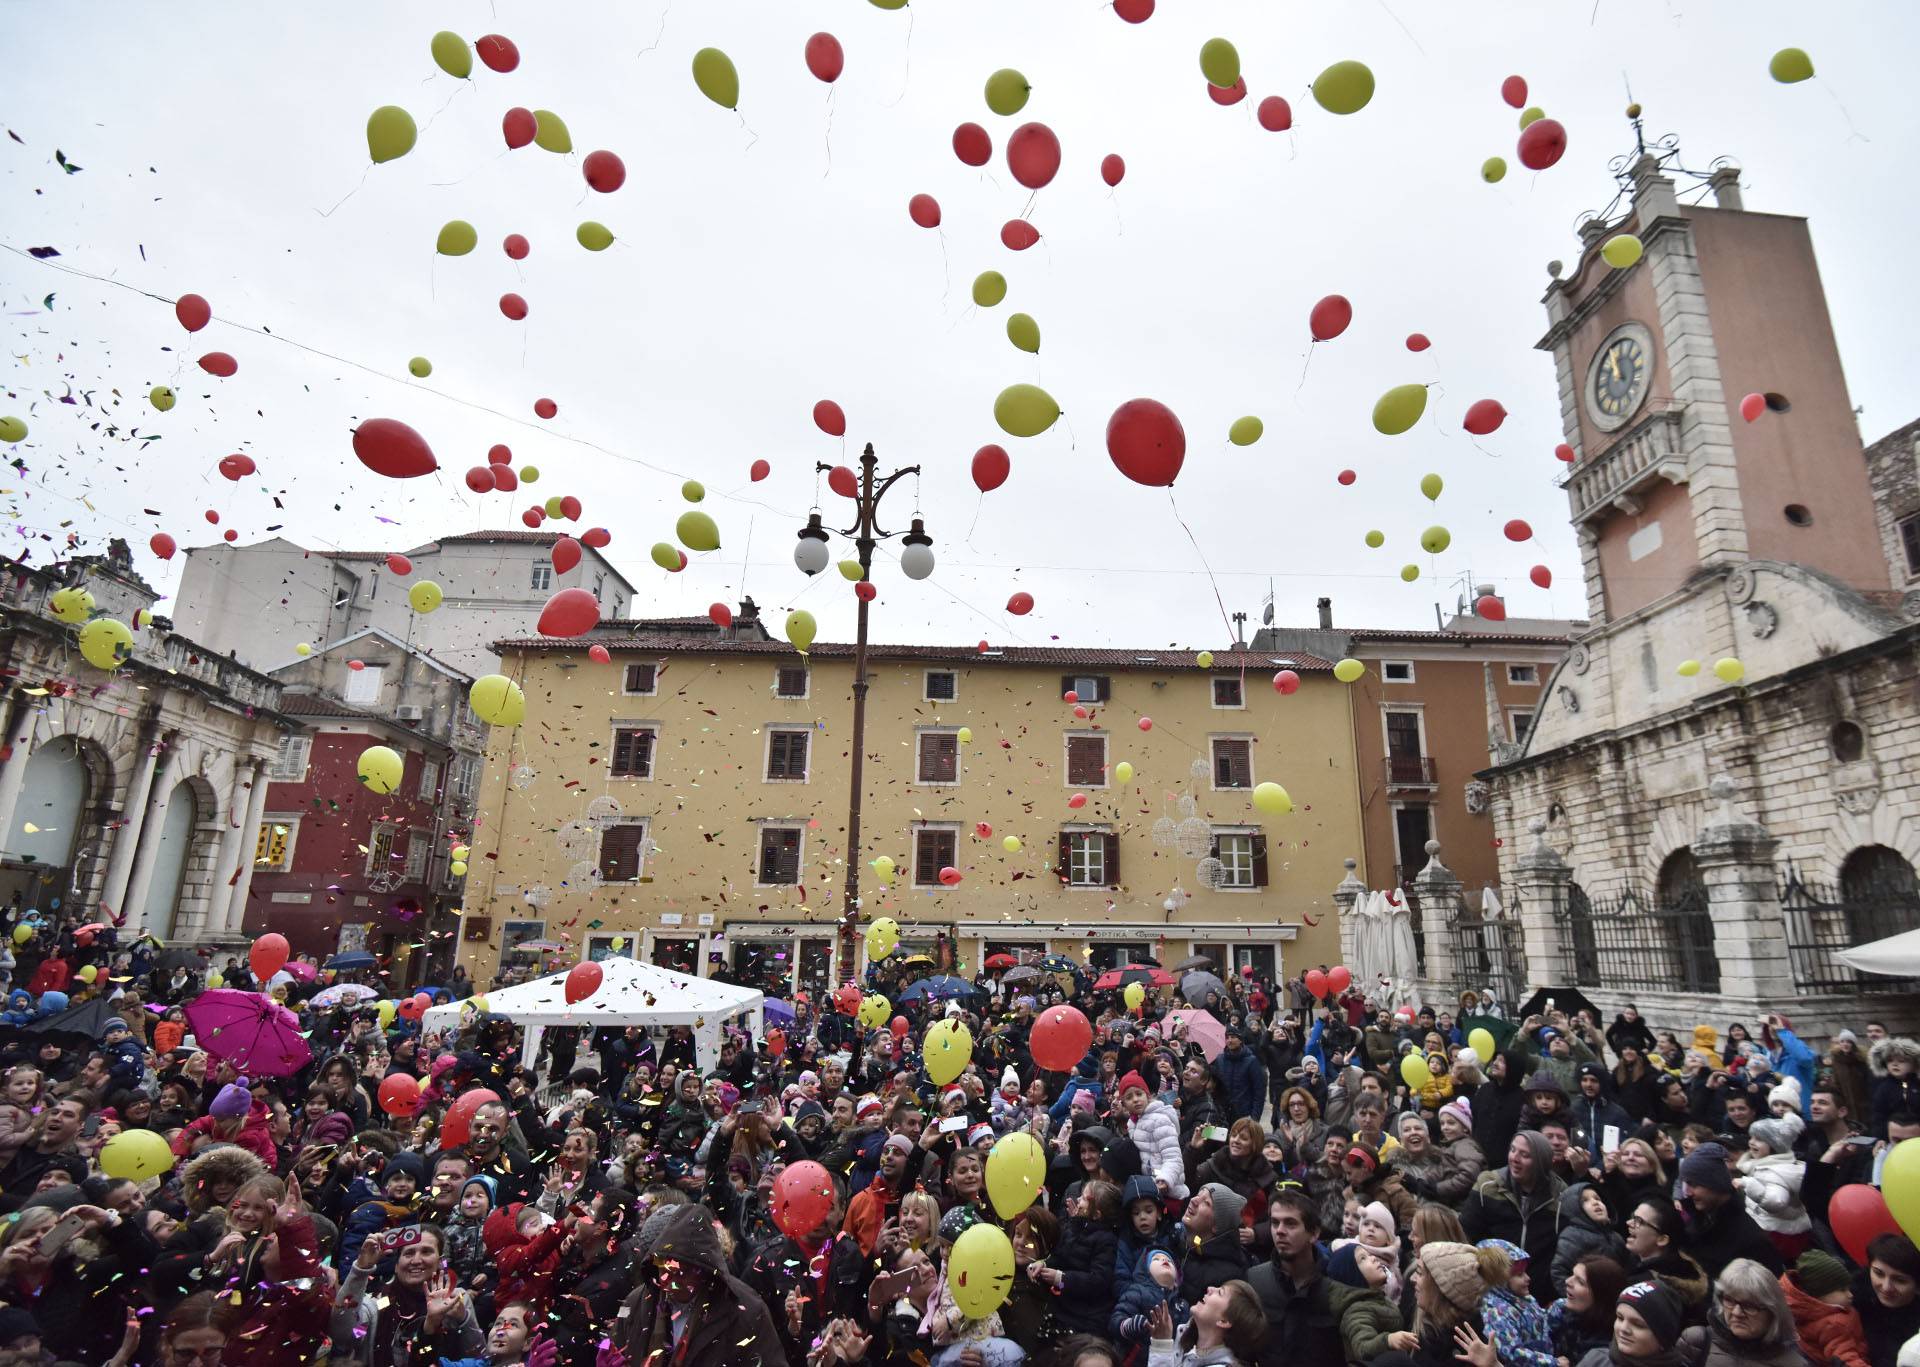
631 993
1898 955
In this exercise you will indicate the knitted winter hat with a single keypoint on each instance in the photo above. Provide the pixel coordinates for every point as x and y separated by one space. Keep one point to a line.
1777 1134
1131 1080
1227 1205
1846 1035
1376 1213
1455 1271
1343 1266
979 1132
1706 1167
868 1108
900 1142
1461 1109
1659 1307
1516 1255
1819 1272
233 1102
1787 1090
407 1163
1010 1080
486 1184
808 1108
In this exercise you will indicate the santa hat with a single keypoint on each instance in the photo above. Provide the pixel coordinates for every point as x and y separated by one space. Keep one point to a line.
868 1107
951 1091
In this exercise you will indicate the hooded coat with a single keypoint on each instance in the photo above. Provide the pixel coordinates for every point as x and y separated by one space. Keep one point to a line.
1829 1333
1497 1104
1580 1235
256 1135
1498 1209
1892 1093
1243 1083
725 1321
1155 1132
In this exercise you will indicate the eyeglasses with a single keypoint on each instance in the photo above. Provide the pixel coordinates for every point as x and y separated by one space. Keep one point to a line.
1731 1305
1635 1222
208 1356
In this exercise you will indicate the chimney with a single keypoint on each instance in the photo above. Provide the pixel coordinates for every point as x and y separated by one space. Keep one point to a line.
1326 613
1725 181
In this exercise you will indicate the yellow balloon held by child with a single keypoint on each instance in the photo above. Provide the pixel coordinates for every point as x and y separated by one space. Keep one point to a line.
1480 1040
1414 1071
136 1155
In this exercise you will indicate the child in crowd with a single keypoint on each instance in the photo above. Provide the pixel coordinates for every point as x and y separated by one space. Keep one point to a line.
1586 1226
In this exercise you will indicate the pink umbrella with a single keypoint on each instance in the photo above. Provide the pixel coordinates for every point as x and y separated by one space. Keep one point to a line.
302 970
255 1034
1200 1028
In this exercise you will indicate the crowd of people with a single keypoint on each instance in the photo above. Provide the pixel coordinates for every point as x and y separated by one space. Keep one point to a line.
1285 1191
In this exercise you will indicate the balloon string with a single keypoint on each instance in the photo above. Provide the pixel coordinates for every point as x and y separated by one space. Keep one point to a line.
1854 134
743 123
349 194
906 56
1409 32
1221 602
1303 372
946 272
464 84
829 135
1113 198
661 34
979 503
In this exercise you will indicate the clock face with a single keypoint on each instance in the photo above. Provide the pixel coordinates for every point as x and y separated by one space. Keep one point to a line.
1619 379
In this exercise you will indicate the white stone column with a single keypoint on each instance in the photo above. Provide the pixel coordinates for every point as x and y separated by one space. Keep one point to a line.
226 864
256 811
1441 906
1540 879
127 839
1735 858
161 789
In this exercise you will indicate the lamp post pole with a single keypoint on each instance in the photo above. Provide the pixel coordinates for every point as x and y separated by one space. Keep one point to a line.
866 533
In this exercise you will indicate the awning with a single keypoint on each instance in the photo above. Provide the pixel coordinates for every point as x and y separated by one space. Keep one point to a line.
1897 955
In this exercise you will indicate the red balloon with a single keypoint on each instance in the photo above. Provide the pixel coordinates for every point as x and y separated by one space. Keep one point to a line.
499 454
1858 1215
1340 978
1232 94
825 58
389 447
1060 1038
758 471
504 478
455 1125
1275 114
899 1027
1563 452
1347 477
950 876
847 999
399 564
1020 604
599 655
1514 91
983 829
843 482
570 508
1330 317
991 467
545 408
1080 711
776 1042
1518 530
570 612
230 535
1316 982
1147 442
605 171
1033 155
972 144
865 590
219 363
802 1199
519 126
1113 169
583 981
983 648
721 615
924 210
1489 609
1077 801
1542 143
356 665
1541 576
399 1094
497 53
236 467
1752 406
596 537
162 545
1134 11
193 312
1483 417
829 419
268 955
516 246
513 306
1286 683
1017 234
533 517
1417 341
480 479
566 554
1070 696
213 517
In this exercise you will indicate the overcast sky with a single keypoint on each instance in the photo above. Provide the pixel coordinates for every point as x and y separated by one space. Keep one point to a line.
762 267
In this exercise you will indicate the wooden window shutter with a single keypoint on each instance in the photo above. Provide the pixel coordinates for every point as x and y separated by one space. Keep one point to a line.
1113 859
1064 863
1066 685
939 757
620 852
1086 760
1102 688
1259 861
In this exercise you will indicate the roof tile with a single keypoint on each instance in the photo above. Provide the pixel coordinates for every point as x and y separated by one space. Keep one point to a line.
1064 656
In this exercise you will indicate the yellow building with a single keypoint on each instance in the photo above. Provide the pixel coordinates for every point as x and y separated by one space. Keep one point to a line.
689 799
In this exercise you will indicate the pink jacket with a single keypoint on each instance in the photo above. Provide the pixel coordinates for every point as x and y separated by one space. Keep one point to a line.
256 1136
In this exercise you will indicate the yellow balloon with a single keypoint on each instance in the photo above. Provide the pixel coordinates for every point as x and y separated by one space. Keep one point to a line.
666 555
618 943
497 700
1025 410
875 1010
1011 844
380 769
1435 540
697 531
1409 573
1344 88
1533 113
87 973
888 4
1349 669
885 927
458 868
1729 670
1134 995
1900 1184
478 1004
426 595
1621 250
1204 659
1789 66
713 72
390 133
22 934
850 570
1023 332
461 851
964 735
420 367
1123 772
801 629
161 397
1220 63
550 132
1414 1071
71 605
989 288
136 1155
1007 91
1246 431
1016 1172
1493 170
556 506
1431 485
529 474
1272 799
980 1270
219 979
12 428
1376 539
1480 1040
105 643
303 649
1688 668
452 55
1399 409
457 238
595 237
385 1010
693 491
946 1050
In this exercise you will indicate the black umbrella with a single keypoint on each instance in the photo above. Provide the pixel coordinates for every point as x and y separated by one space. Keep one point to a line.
1568 999
77 1027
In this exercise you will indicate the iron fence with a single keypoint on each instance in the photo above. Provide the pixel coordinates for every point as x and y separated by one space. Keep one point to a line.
1630 938
1824 918
1489 951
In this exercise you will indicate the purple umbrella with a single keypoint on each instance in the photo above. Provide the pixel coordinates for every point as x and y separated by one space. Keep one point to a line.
254 1034
779 1012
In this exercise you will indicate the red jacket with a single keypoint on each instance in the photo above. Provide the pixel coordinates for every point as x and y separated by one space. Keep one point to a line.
256 1136
523 1268
52 976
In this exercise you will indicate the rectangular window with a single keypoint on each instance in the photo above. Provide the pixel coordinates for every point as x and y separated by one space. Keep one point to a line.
934 849
380 847
273 846
943 685
1227 692
939 757
363 685
1087 688
1090 858
1243 858
1522 723
1232 762
1397 671
599 586
1523 674
787 756
429 779
290 765
1910 543
779 855
1086 761
1403 735
466 770
623 851
632 752
642 680
418 847
542 575
790 682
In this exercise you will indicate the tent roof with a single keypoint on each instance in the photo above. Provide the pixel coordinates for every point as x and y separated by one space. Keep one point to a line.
1898 955
631 993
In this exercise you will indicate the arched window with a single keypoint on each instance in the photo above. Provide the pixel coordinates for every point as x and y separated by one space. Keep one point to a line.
1880 892
1683 922
170 862
53 799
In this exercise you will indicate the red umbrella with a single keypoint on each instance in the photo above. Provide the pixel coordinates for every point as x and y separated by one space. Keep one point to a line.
1001 961
254 1033
1132 973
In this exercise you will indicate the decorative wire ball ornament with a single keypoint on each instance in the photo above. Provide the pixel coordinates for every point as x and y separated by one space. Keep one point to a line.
602 812
538 895
1194 838
575 838
1208 872
1179 897
1189 805
584 874
1199 767
1163 832
522 776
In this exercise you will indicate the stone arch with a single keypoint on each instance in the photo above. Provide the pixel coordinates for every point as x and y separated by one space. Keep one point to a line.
1879 894
1882 825
69 781
1674 828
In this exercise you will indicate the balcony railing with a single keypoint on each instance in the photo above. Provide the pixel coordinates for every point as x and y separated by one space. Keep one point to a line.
1409 771
1633 458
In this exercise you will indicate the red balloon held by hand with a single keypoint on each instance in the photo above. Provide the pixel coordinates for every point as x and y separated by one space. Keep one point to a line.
972 144
1275 114
924 210
1060 1038
1330 317
193 312
497 53
803 1196
1016 234
583 981
826 59
843 482
389 447
1113 168
604 171
829 419
1340 978
399 1094
518 127
1315 982
1146 441
991 466
1020 604
1033 155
